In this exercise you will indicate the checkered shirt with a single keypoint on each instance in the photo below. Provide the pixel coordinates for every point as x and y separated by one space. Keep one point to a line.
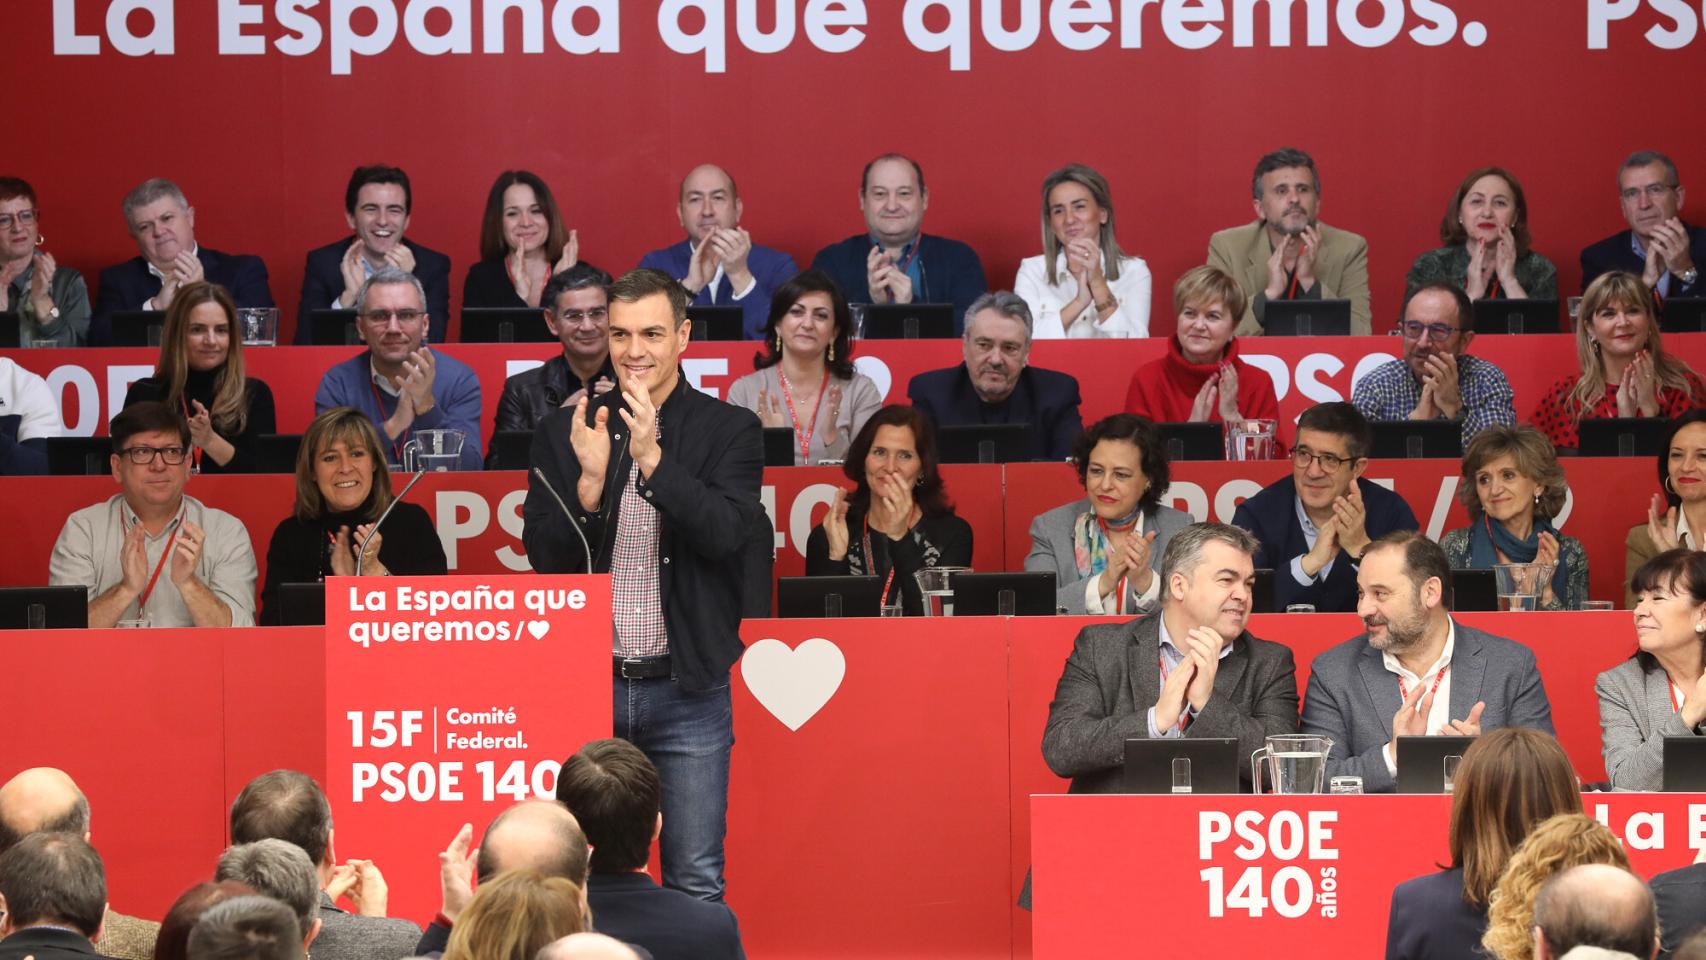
637 601
1389 392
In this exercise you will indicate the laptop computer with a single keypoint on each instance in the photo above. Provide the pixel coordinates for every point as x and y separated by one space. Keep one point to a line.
1416 439
511 450
301 604
983 594
44 608
779 448
985 443
909 321
79 456
1194 441
505 325
1262 596
1421 761
717 323
808 597
1683 315
1473 591
276 452
11 335
1213 764
138 328
1516 316
1622 436
333 328
1306 318
1685 765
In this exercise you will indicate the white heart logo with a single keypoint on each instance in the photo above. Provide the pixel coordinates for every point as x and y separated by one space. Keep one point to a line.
538 628
793 684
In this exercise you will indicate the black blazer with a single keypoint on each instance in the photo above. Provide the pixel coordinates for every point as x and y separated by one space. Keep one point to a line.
1681 898
323 280
672 925
1617 252
47 943
263 417
129 285
1046 400
1272 516
488 285
706 491
1429 920
949 272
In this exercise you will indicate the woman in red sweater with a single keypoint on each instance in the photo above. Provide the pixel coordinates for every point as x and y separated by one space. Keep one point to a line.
1202 377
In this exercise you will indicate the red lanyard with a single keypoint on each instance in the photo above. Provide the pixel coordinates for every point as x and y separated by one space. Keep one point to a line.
1676 695
142 602
1404 692
195 451
397 444
873 563
805 440
1291 286
902 266
1493 291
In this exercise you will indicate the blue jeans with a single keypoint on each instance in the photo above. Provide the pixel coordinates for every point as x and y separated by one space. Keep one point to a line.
688 737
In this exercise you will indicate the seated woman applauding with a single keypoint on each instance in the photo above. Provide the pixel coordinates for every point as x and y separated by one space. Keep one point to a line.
1625 371
342 487
805 378
523 241
1486 252
898 520
1677 519
1082 285
201 372
1660 691
1105 548
1513 487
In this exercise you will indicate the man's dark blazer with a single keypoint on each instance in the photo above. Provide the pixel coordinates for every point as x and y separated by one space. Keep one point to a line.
770 269
669 923
47 943
1272 516
1617 252
1112 679
706 491
948 272
1045 399
1430 920
323 280
1681 898
129 285
1352 698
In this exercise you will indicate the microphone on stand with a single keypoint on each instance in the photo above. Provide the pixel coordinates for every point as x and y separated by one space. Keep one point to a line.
573 523
361 550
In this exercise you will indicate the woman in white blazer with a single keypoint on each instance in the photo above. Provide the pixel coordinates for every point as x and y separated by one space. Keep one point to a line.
1082 286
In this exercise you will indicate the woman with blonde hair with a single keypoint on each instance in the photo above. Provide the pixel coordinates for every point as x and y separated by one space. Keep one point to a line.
1082 285
516 913
201 373
1566 840
1625 371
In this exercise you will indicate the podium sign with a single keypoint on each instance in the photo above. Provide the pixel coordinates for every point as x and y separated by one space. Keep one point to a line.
447 700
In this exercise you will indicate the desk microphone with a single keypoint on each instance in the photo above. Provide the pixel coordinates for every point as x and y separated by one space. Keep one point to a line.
361 551
573 523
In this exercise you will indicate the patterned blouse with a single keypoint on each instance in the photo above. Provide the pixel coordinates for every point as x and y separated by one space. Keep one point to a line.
1555 417
1539 278
1571 554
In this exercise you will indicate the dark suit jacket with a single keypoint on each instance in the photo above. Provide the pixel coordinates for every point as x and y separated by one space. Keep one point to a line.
1429 920
1272 516
1112 679
323 279
1352 698
47 943
1046 400
1617 252
770 268
1681 898
129 285
669 923
949 272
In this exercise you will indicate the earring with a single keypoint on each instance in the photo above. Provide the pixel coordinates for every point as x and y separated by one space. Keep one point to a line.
40 239
778 343
1700 628
832 351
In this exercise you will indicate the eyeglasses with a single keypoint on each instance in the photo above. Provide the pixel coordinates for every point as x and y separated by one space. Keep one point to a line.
24 217
1330 462
1654 191
1412 330
596 315
142 456
385 316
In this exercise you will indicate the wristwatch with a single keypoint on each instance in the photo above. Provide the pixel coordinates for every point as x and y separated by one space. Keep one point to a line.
1689 276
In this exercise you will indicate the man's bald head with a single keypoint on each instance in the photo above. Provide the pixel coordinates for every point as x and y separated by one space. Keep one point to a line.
1597 905
41 800
587 946
535 834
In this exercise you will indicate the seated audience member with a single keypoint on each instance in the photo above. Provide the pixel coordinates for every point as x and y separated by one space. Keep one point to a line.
718 263
1287 253
288 806
151 554
1595 905
588 946
1202 379
342 487
613 790
50 302
1314 524
1509 781
181 918
29 414
523 241
805 379
1213 680
1680 895
54 890
1436 665
163 224
1694 948
1105 548
1659 247
201 371
515 915
46 800
280 870
1513 487
1624 370
1437 379
1486 244
246 928
894 261
377 203
1660 691
1083 285
1682 475
897 520
401 384
1565 840
577 312
997 384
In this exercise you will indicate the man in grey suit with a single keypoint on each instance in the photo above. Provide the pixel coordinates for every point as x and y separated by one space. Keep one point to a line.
1416 671
1189 669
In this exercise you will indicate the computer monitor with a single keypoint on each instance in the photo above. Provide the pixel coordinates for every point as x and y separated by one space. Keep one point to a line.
44 608
511 450
1515 316
1262 596
1421 761
717 323
1683 315
985 443
1213 764
276 452
779 448
333 328
1417 439
11 335
1194 441
1003 594
1685 765
301 604
1306 318
1473 591
79 456
505 325
909 321
138 328
809 597
1622 436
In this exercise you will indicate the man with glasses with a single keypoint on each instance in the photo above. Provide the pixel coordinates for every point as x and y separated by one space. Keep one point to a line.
402 385
1658 246
577 311
1437 379
151 556
1314 524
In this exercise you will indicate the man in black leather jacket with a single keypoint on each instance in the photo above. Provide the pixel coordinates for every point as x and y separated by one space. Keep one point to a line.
577 311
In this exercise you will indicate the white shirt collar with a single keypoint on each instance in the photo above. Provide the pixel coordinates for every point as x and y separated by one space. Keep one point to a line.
194 251
380 380
1394 666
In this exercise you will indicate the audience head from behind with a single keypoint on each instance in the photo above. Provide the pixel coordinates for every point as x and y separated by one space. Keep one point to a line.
151 459
281 870
537 835
174 937
521 218
41 800
1563 841
377 204
341 469
514 915
246 928
1207 304
53 880
391 315
201 341
1208 579
162 222
1595 905
1333 440
1078 224
287 805
1510 779
1694 948
1285 193
613 790
576 304
1404 595
1436 325
810 322
893 198
587 946
896 449
996 344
